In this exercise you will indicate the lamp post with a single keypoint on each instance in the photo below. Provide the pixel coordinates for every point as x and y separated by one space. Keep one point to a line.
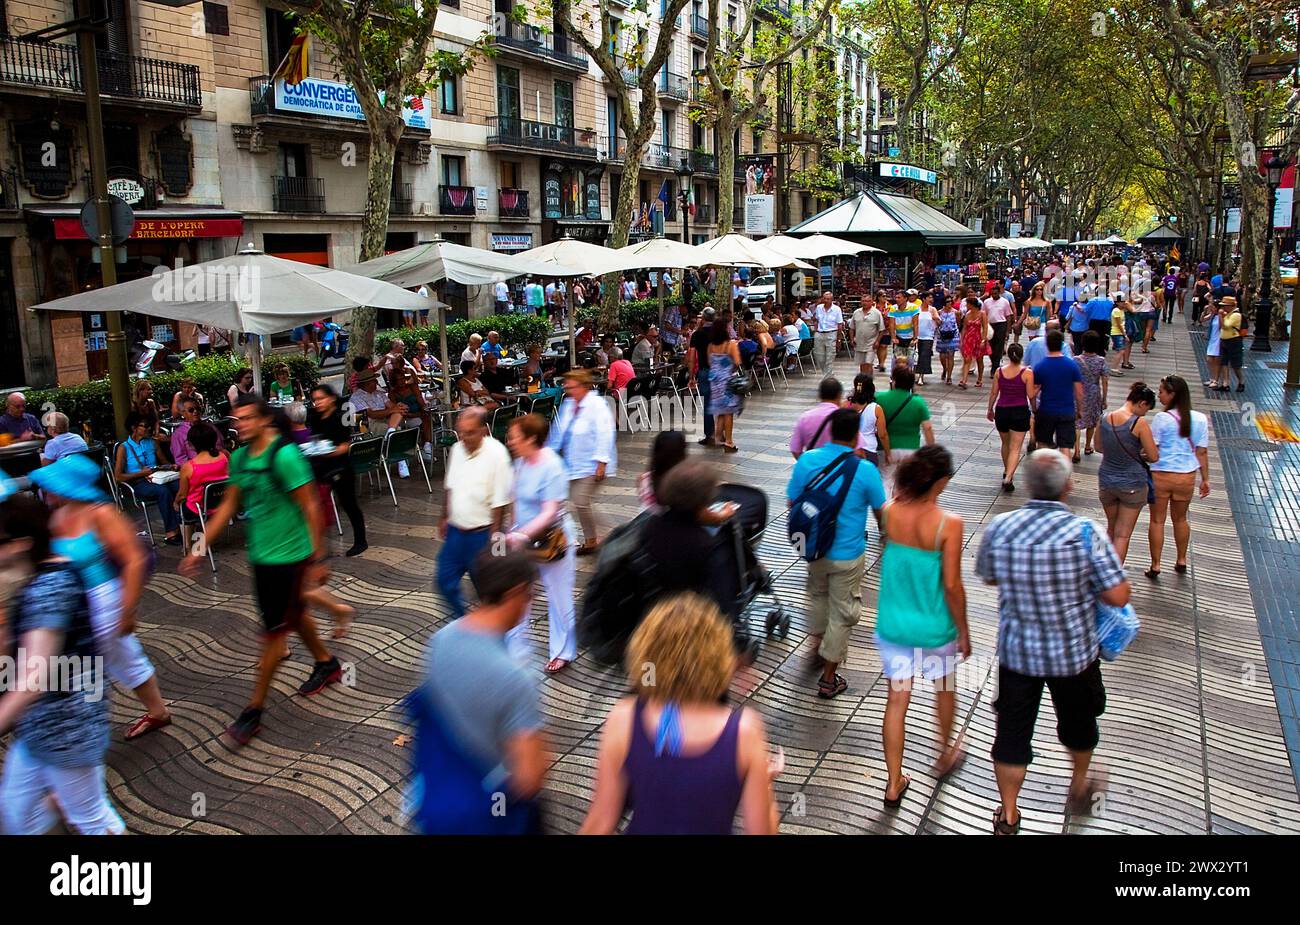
684 174
1209 219
1264 307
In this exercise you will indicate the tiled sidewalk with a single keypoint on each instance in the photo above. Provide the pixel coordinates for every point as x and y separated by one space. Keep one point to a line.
1191 738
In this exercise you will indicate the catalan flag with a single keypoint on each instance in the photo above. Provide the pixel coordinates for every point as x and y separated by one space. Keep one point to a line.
293 69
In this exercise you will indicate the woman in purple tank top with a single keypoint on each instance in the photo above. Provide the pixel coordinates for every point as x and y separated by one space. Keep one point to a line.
1013 386
673 753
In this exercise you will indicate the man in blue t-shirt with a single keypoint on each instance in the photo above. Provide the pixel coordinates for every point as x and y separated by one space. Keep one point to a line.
1060 395
835 580
1098 309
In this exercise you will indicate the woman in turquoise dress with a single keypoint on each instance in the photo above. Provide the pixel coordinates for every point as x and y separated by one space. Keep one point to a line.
921 628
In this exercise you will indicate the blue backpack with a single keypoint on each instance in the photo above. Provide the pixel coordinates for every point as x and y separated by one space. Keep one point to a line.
811 523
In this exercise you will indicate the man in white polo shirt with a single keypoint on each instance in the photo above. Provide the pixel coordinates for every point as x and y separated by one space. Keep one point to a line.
501 295
476 496
998 309
827 321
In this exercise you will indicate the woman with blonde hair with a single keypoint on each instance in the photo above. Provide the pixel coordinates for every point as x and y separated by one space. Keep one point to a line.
684 760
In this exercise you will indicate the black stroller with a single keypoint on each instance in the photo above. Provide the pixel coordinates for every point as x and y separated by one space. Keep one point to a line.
747 529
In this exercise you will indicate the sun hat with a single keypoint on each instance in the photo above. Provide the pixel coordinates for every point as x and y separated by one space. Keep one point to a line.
75 477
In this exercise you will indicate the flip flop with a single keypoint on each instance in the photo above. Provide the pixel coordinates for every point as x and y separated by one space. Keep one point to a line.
1001 826
898 800
145 725
556 665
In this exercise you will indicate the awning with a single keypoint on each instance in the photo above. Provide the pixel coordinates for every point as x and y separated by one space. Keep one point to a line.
1161 233
875 213
150 224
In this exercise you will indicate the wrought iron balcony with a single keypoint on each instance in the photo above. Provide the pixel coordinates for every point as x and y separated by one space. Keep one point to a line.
125 77
774 7
554 48
512 203
704 162
613 151
703 213
527 135
699 26
630 70
399 201
674 86
455 200
299 194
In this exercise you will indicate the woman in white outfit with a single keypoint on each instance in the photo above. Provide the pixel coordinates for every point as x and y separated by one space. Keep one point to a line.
541 502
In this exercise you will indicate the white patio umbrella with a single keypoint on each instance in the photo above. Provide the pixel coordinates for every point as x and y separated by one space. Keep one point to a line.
250 292
736 250
438 260
662 253
569 257
817 246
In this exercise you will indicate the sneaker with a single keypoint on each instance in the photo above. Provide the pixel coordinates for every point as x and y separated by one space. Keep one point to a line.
323 674
248 725
403 470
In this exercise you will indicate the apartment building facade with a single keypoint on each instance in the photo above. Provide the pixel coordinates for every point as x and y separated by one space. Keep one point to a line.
213 154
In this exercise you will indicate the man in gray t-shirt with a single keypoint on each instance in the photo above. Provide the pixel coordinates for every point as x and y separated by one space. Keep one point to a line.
486 699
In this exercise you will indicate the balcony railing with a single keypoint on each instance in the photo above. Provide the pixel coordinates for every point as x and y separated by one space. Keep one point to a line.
674 86
630 70
150 189
664 157
704 162
613 152
526 134
555 46
299 194
46 64
703 213
399 202
512 203
699 26
774 7
455 200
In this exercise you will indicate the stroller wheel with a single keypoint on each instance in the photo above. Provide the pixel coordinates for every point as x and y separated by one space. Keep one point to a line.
783 624
772 623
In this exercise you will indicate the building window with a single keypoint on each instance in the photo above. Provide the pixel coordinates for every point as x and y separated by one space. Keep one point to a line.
511 174
507 92
216 19
279 36
564 103
453 170
667 128
449 94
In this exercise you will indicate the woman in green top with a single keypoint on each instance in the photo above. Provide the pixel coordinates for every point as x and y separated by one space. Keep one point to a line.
283 388
907 417
921 628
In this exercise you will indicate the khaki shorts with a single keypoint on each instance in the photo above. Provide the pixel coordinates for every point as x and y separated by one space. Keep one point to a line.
1129 497
1174 486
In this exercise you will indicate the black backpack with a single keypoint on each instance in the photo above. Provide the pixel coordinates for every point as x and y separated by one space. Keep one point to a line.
619 592
811 523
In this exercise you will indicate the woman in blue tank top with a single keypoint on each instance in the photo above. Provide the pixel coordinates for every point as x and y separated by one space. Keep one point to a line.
675 753
104 549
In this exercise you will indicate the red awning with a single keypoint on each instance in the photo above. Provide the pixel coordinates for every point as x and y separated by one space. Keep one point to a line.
151 224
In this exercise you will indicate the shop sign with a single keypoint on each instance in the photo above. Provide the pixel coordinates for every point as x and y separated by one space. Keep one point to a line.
129 191
908 172
512 242
69 229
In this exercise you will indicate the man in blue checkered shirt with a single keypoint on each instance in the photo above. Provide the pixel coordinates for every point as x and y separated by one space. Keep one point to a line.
1051 567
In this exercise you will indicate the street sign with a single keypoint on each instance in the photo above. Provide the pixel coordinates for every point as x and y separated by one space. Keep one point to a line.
121 219
894 152
128 190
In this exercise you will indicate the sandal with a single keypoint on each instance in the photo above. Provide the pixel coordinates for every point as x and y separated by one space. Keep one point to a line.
1153 574
961 385
730 448
1180 568
1088 452
145 725
1000 824
898 800
829 689
557 665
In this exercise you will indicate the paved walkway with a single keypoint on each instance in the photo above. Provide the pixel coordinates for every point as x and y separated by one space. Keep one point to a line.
1191 737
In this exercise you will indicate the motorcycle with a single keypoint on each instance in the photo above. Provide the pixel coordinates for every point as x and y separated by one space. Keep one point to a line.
333 342
144 354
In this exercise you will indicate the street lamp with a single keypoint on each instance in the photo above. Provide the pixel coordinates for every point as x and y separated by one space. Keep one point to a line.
1264 307
1210 209
684 174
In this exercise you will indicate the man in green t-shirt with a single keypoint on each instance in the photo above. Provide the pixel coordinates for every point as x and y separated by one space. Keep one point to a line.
906 417
273 482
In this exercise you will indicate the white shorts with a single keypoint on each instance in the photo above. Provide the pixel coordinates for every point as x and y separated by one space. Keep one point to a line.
124 657
903 663
80 793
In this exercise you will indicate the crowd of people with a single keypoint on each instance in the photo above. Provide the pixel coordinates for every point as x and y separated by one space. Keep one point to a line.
516 513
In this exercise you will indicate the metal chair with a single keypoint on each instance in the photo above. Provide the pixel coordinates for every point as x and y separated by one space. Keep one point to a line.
638 395
400 446
213 494
123 490
500 420
805 353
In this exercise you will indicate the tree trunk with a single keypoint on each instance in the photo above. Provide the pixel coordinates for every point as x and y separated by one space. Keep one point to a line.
726 128
374 224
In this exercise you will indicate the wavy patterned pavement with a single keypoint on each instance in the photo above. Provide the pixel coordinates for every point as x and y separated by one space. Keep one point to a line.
1191 737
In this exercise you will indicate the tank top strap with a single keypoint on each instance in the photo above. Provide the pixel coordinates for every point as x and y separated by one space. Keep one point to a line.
938 533
730 736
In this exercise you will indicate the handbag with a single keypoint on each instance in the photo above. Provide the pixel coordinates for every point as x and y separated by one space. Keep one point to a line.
1146 467
1117 627
552 544
740 383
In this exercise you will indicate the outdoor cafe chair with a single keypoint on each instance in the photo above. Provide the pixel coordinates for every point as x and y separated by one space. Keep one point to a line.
122 492
363 456
805 353
213 494
403 445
